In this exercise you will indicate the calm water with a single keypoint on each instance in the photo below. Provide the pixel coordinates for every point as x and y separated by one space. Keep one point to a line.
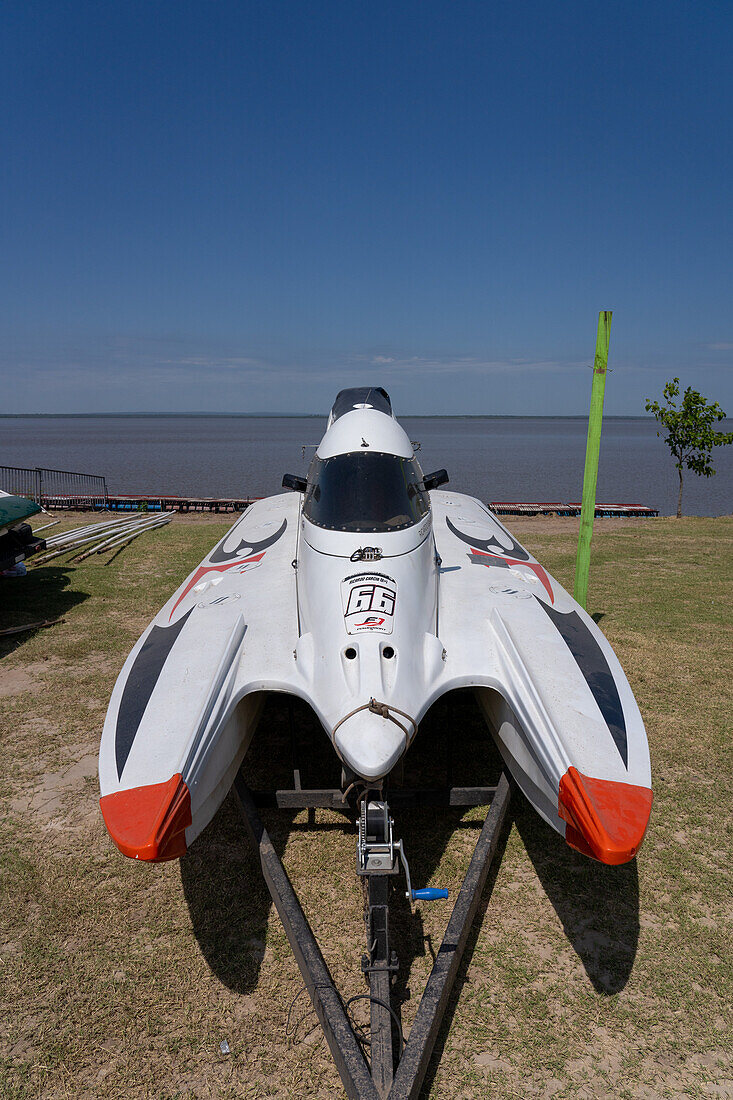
539 458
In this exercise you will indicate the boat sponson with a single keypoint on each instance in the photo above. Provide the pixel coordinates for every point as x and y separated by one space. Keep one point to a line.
149 822
604 819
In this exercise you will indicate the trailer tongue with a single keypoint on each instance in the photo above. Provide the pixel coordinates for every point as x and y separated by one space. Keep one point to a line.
396 1068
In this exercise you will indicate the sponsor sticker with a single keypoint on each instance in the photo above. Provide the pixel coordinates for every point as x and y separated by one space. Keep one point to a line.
369 601
507 590
247 566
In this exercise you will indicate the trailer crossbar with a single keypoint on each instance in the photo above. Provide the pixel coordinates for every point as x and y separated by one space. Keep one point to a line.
331 798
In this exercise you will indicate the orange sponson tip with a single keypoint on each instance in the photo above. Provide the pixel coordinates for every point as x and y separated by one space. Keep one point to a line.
605 819
149 822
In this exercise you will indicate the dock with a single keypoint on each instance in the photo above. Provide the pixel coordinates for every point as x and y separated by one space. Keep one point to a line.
151 502
559 508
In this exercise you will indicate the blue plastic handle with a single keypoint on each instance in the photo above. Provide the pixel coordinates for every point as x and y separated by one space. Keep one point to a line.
429 893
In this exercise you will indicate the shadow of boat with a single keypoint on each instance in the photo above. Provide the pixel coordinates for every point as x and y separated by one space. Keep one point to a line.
227 898
597 905
230 904
44 593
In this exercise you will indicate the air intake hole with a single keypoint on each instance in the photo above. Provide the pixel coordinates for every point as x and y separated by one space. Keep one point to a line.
388 652
350 653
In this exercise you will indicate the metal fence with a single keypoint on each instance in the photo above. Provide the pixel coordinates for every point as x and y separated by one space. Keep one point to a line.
55 488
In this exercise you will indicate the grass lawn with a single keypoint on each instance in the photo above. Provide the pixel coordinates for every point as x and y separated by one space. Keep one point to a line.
121 980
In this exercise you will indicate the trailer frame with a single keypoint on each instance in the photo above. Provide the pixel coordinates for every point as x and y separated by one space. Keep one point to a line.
391 1075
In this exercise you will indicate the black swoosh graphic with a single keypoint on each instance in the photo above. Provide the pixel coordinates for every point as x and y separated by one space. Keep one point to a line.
500 563
492 545
598 676
141 680
220 554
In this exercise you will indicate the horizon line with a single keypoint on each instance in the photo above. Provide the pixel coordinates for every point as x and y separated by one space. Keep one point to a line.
321 415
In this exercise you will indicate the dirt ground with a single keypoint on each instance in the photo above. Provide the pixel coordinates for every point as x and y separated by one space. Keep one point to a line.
122 980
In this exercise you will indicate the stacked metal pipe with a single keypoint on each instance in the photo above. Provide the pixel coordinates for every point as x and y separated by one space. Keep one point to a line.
98 538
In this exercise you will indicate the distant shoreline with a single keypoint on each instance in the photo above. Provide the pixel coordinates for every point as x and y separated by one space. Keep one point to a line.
299 416
490 457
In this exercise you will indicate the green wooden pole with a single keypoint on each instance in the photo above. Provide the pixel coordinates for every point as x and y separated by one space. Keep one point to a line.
593 447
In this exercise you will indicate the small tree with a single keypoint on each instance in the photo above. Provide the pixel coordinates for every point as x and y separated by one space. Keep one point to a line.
690 434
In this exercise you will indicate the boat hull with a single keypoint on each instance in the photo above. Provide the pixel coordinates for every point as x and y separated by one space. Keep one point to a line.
604 819
370 647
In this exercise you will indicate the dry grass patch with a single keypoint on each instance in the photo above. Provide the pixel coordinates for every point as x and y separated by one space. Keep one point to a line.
121 980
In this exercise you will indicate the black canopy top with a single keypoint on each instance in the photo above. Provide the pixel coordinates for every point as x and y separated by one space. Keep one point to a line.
347 400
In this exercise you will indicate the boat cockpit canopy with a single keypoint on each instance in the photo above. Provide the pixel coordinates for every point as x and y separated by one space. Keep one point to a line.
365 492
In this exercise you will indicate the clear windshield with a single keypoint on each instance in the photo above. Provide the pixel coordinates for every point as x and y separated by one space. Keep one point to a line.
365 492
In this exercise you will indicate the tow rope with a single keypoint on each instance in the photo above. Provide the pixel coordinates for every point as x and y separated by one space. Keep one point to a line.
384 711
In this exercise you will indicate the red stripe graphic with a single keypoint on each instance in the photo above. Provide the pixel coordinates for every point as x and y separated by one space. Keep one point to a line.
204 569
534 566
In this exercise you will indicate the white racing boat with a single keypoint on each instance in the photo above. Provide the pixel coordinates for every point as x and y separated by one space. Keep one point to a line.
369 592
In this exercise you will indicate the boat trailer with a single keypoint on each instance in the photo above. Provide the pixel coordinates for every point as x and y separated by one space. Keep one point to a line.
390 1073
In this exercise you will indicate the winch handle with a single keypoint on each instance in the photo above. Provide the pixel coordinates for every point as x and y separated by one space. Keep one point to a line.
425 893
429 893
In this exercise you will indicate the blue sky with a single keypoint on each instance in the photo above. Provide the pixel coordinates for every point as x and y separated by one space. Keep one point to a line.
243 207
